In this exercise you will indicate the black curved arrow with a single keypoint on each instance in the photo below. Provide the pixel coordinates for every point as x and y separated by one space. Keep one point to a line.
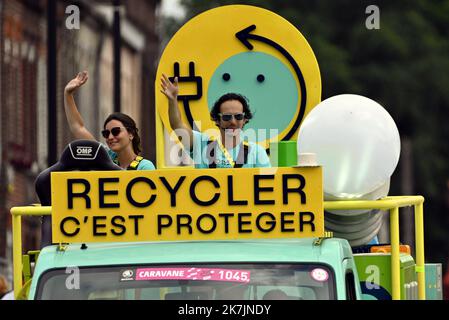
244 36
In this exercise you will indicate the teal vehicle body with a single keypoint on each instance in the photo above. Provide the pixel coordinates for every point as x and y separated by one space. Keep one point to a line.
332 253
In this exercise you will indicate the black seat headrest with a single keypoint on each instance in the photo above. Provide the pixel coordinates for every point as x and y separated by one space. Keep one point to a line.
86 155
79 155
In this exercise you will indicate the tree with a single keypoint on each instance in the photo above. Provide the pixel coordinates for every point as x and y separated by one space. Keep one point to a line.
403 65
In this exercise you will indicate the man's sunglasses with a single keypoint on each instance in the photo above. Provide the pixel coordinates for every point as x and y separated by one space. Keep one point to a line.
228 117
115 132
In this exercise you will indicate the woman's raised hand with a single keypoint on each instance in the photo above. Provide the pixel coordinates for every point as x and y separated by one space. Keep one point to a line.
76 82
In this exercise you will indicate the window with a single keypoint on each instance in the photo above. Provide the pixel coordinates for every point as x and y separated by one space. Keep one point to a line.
194 282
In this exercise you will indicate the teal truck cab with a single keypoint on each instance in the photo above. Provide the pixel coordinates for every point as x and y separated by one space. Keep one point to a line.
202 270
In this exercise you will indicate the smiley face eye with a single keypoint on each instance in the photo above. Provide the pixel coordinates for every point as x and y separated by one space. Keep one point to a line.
260 78
226 76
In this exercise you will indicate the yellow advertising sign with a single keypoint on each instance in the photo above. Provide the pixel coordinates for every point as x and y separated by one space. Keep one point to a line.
188 204
247 50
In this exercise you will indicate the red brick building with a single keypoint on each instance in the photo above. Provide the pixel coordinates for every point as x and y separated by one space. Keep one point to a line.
23 90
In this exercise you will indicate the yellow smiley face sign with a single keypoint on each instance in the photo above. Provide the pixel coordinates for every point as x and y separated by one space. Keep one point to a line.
246 50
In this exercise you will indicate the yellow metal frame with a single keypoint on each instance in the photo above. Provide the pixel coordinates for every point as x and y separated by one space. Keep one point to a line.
389 203
393 204
17 213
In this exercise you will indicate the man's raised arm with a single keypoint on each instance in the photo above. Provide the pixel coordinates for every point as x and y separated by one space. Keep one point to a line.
170 90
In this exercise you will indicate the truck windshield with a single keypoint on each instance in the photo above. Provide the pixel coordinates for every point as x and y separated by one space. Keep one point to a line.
190 282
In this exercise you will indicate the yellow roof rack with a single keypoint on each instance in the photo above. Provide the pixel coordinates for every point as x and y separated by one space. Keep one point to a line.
392 204
17 213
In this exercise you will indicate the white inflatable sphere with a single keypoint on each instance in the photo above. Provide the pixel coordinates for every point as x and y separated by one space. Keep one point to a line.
355 140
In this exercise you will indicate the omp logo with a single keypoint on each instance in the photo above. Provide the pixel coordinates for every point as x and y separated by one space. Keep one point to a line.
84 151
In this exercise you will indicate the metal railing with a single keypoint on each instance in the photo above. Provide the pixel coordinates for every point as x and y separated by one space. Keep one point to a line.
392 204
17 213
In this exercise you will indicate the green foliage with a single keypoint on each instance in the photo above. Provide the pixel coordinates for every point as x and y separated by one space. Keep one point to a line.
404 66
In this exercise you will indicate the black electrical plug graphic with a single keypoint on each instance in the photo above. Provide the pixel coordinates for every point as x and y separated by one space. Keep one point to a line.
188 97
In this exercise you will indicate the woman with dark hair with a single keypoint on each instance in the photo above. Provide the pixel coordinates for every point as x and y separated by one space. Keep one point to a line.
119 130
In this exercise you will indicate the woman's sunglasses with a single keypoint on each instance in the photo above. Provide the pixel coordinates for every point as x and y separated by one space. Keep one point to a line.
115 132
228 117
